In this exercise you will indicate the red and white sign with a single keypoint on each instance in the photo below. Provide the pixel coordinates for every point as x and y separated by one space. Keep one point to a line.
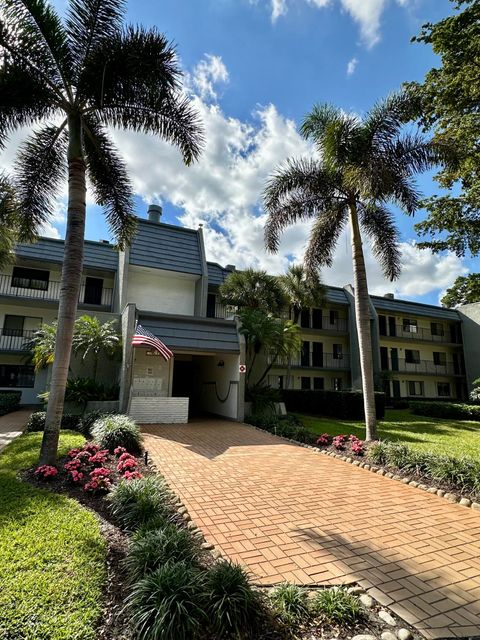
242 368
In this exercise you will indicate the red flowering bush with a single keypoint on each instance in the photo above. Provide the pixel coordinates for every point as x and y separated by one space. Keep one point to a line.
119 451
100 458
46 472
73 465
132 475
323 440
357 447
73 453
339 442
127 464
76 476
91 448
99 480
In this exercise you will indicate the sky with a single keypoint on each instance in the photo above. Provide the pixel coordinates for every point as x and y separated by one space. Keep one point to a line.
254 68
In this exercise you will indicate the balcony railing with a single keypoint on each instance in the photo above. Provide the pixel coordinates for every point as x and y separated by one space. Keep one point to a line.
14 340
223 312
419 333
427 367
338 324
51 292
315 361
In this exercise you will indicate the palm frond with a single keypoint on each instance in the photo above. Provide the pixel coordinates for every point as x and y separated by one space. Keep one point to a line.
9 216
387 117
379 224
88 23
324 237
110 181
40 168
139 89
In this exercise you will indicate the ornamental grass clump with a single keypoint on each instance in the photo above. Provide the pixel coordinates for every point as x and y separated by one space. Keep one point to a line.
149 550
234 609
337 606
141 502
290 604
114 431
169 603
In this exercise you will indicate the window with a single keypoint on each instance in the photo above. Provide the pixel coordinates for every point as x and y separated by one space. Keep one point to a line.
280 382
211 304
30 279
305 319
93 291
440 358
409 325
415 388
16 375
412 356
305 355
317 354
306 383
318 383
13 325
333 316
316 318
337 352
443 389
337 384
436 329
382 325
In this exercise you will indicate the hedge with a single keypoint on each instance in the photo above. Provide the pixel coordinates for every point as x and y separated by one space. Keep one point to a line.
456 411
347 405
9 402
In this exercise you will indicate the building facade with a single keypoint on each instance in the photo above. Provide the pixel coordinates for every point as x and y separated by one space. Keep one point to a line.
164 283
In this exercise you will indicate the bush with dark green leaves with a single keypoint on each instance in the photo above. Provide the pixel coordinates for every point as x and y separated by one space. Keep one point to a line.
150 549
337 606
462 474
9 402
89 419
284 426
290 604
36 422
144 502
453 410
234 609
112 431
345 405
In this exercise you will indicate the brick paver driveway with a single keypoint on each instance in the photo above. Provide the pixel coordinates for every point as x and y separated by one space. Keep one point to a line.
12 425
291 514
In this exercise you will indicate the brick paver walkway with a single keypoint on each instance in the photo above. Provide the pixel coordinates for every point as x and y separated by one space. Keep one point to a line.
291 514
12 425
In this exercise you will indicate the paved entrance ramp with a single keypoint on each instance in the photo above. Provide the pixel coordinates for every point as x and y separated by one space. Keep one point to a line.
12 425
290 514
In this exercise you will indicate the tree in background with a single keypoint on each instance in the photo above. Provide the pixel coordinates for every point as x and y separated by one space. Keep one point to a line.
465 290
252 289
71 79
41 346
449 105
94 338
362 164
302 290
9 221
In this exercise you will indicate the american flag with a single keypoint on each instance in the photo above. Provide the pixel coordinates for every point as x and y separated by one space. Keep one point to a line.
146 338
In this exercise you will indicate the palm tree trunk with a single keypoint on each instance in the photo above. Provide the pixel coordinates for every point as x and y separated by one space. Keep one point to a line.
69 290
362 311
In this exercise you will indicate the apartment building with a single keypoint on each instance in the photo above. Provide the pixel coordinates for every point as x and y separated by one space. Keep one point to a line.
164 283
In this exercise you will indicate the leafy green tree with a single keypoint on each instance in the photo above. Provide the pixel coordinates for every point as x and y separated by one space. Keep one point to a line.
449 105
302 290
252 289
41 346
71 79
362 165
94 338
465 290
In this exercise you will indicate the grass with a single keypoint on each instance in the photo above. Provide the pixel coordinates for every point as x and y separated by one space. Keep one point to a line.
450 437
52 555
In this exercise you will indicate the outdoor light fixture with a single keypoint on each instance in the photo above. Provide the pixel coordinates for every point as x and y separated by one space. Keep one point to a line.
220 363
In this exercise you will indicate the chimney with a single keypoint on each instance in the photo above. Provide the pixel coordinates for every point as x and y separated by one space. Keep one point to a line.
390 296
154 213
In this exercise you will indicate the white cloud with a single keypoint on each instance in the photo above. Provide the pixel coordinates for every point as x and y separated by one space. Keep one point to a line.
351 66
367 13
207 73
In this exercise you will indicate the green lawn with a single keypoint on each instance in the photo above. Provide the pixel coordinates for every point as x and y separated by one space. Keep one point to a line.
451 437
52 555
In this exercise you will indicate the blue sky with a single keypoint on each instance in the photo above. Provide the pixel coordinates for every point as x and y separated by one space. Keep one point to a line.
255 67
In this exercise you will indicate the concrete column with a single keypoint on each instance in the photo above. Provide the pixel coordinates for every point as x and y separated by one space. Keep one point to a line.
201 286
470 316
128 327
241 378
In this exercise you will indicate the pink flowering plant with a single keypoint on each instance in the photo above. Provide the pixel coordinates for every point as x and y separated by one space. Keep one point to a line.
323 440
118 451
46 472
339 442
127 464
100 458
99 480
132 475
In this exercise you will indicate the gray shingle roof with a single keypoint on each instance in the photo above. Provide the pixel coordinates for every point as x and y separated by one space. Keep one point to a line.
98 255
217 274
389 305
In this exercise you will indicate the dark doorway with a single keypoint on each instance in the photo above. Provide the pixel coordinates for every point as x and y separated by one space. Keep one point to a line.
93 291
394 359
317 354
392 329
183 384
384 358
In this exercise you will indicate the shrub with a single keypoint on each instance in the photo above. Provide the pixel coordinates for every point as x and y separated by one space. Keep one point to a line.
323 440
144 502
455 411
99 480
114 431
132 475
290 603
335 605
377 452
149 550
126 463
233 607
46 472
168 604
339 442
9 402
36 422
346 405
89 419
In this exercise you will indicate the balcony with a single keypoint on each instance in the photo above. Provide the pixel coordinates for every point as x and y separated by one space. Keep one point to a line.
102 300
337 325
13 340
416 334
315 361
427 367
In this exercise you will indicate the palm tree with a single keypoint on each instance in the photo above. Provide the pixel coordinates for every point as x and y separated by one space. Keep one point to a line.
252 289
41 346
361 165
92 337
9 221
73 79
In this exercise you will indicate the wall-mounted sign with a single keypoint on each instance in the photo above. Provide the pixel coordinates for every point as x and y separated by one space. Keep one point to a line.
242 368
153 353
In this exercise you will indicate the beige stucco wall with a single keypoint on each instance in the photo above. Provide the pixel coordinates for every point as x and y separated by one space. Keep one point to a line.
154 290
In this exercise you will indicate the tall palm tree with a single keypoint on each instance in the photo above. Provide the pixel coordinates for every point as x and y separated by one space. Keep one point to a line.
73 79
93 338
361 165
